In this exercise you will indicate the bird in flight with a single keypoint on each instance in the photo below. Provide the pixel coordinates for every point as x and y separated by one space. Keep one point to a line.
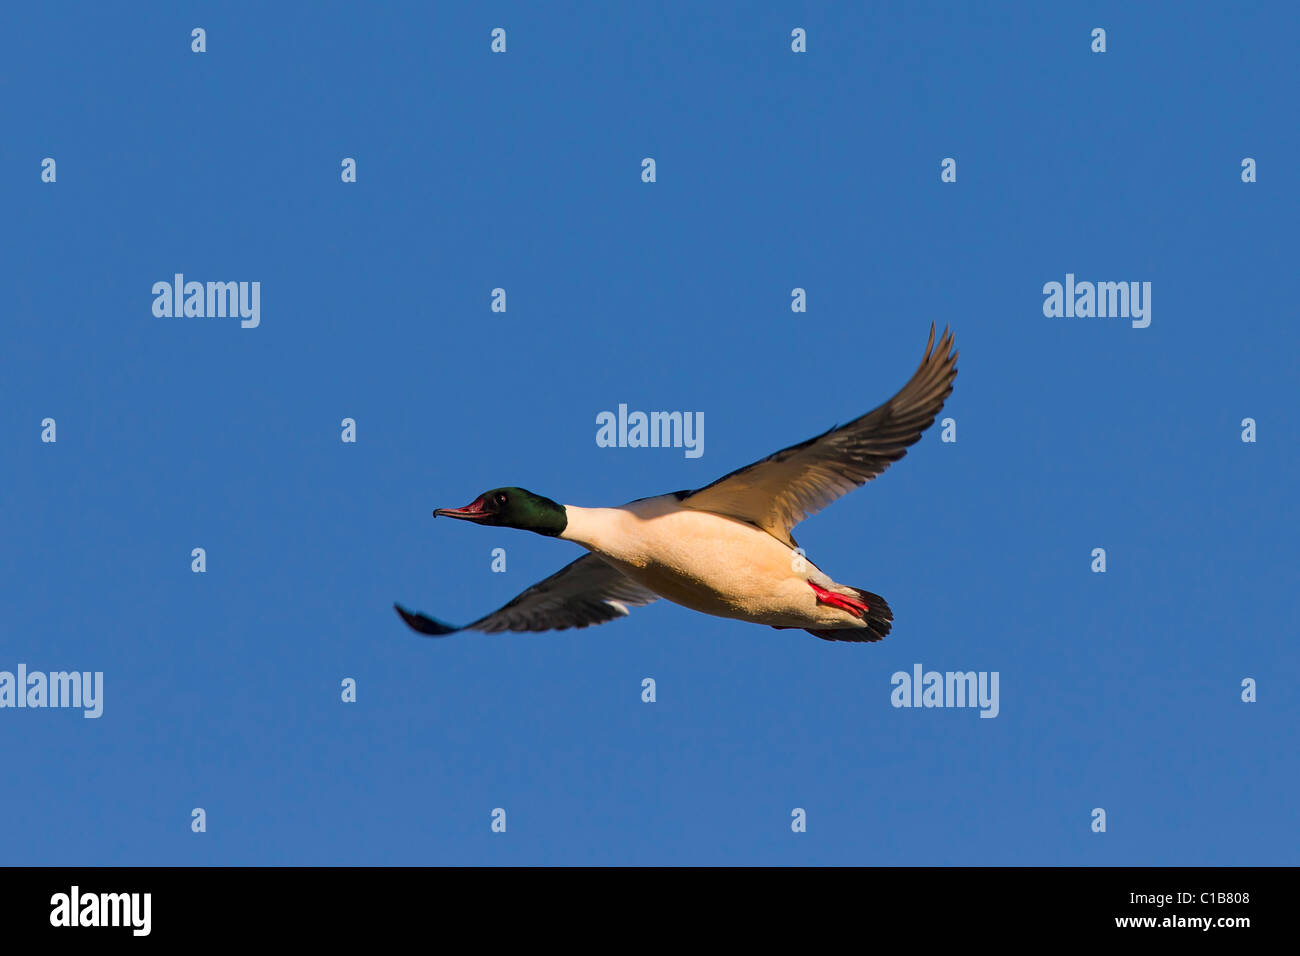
724 549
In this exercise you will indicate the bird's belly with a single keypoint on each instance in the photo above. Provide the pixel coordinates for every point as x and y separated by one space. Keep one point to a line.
709 598
719 566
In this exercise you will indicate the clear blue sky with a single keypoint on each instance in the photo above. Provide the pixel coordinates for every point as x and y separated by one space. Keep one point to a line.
523 171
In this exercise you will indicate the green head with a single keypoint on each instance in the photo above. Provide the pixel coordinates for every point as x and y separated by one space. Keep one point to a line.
512 508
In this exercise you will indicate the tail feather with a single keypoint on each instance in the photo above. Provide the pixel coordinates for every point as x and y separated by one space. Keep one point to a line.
879 619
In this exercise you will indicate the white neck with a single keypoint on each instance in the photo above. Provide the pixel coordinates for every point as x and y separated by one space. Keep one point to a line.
595 529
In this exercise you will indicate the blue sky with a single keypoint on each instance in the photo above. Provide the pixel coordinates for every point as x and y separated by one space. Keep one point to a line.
775 170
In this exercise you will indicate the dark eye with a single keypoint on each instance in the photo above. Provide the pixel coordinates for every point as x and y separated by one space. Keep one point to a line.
501 498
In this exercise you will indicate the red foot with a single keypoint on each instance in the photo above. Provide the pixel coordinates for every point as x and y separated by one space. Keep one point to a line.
842 601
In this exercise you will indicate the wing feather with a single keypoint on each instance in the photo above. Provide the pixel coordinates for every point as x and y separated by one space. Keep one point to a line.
585 592
784 488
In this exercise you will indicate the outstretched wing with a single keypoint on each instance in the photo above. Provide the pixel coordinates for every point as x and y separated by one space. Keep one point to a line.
580 594
783 489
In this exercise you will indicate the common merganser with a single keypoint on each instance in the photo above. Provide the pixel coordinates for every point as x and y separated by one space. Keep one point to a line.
724 549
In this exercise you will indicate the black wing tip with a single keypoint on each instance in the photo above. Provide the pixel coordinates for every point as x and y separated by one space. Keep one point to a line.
423 624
